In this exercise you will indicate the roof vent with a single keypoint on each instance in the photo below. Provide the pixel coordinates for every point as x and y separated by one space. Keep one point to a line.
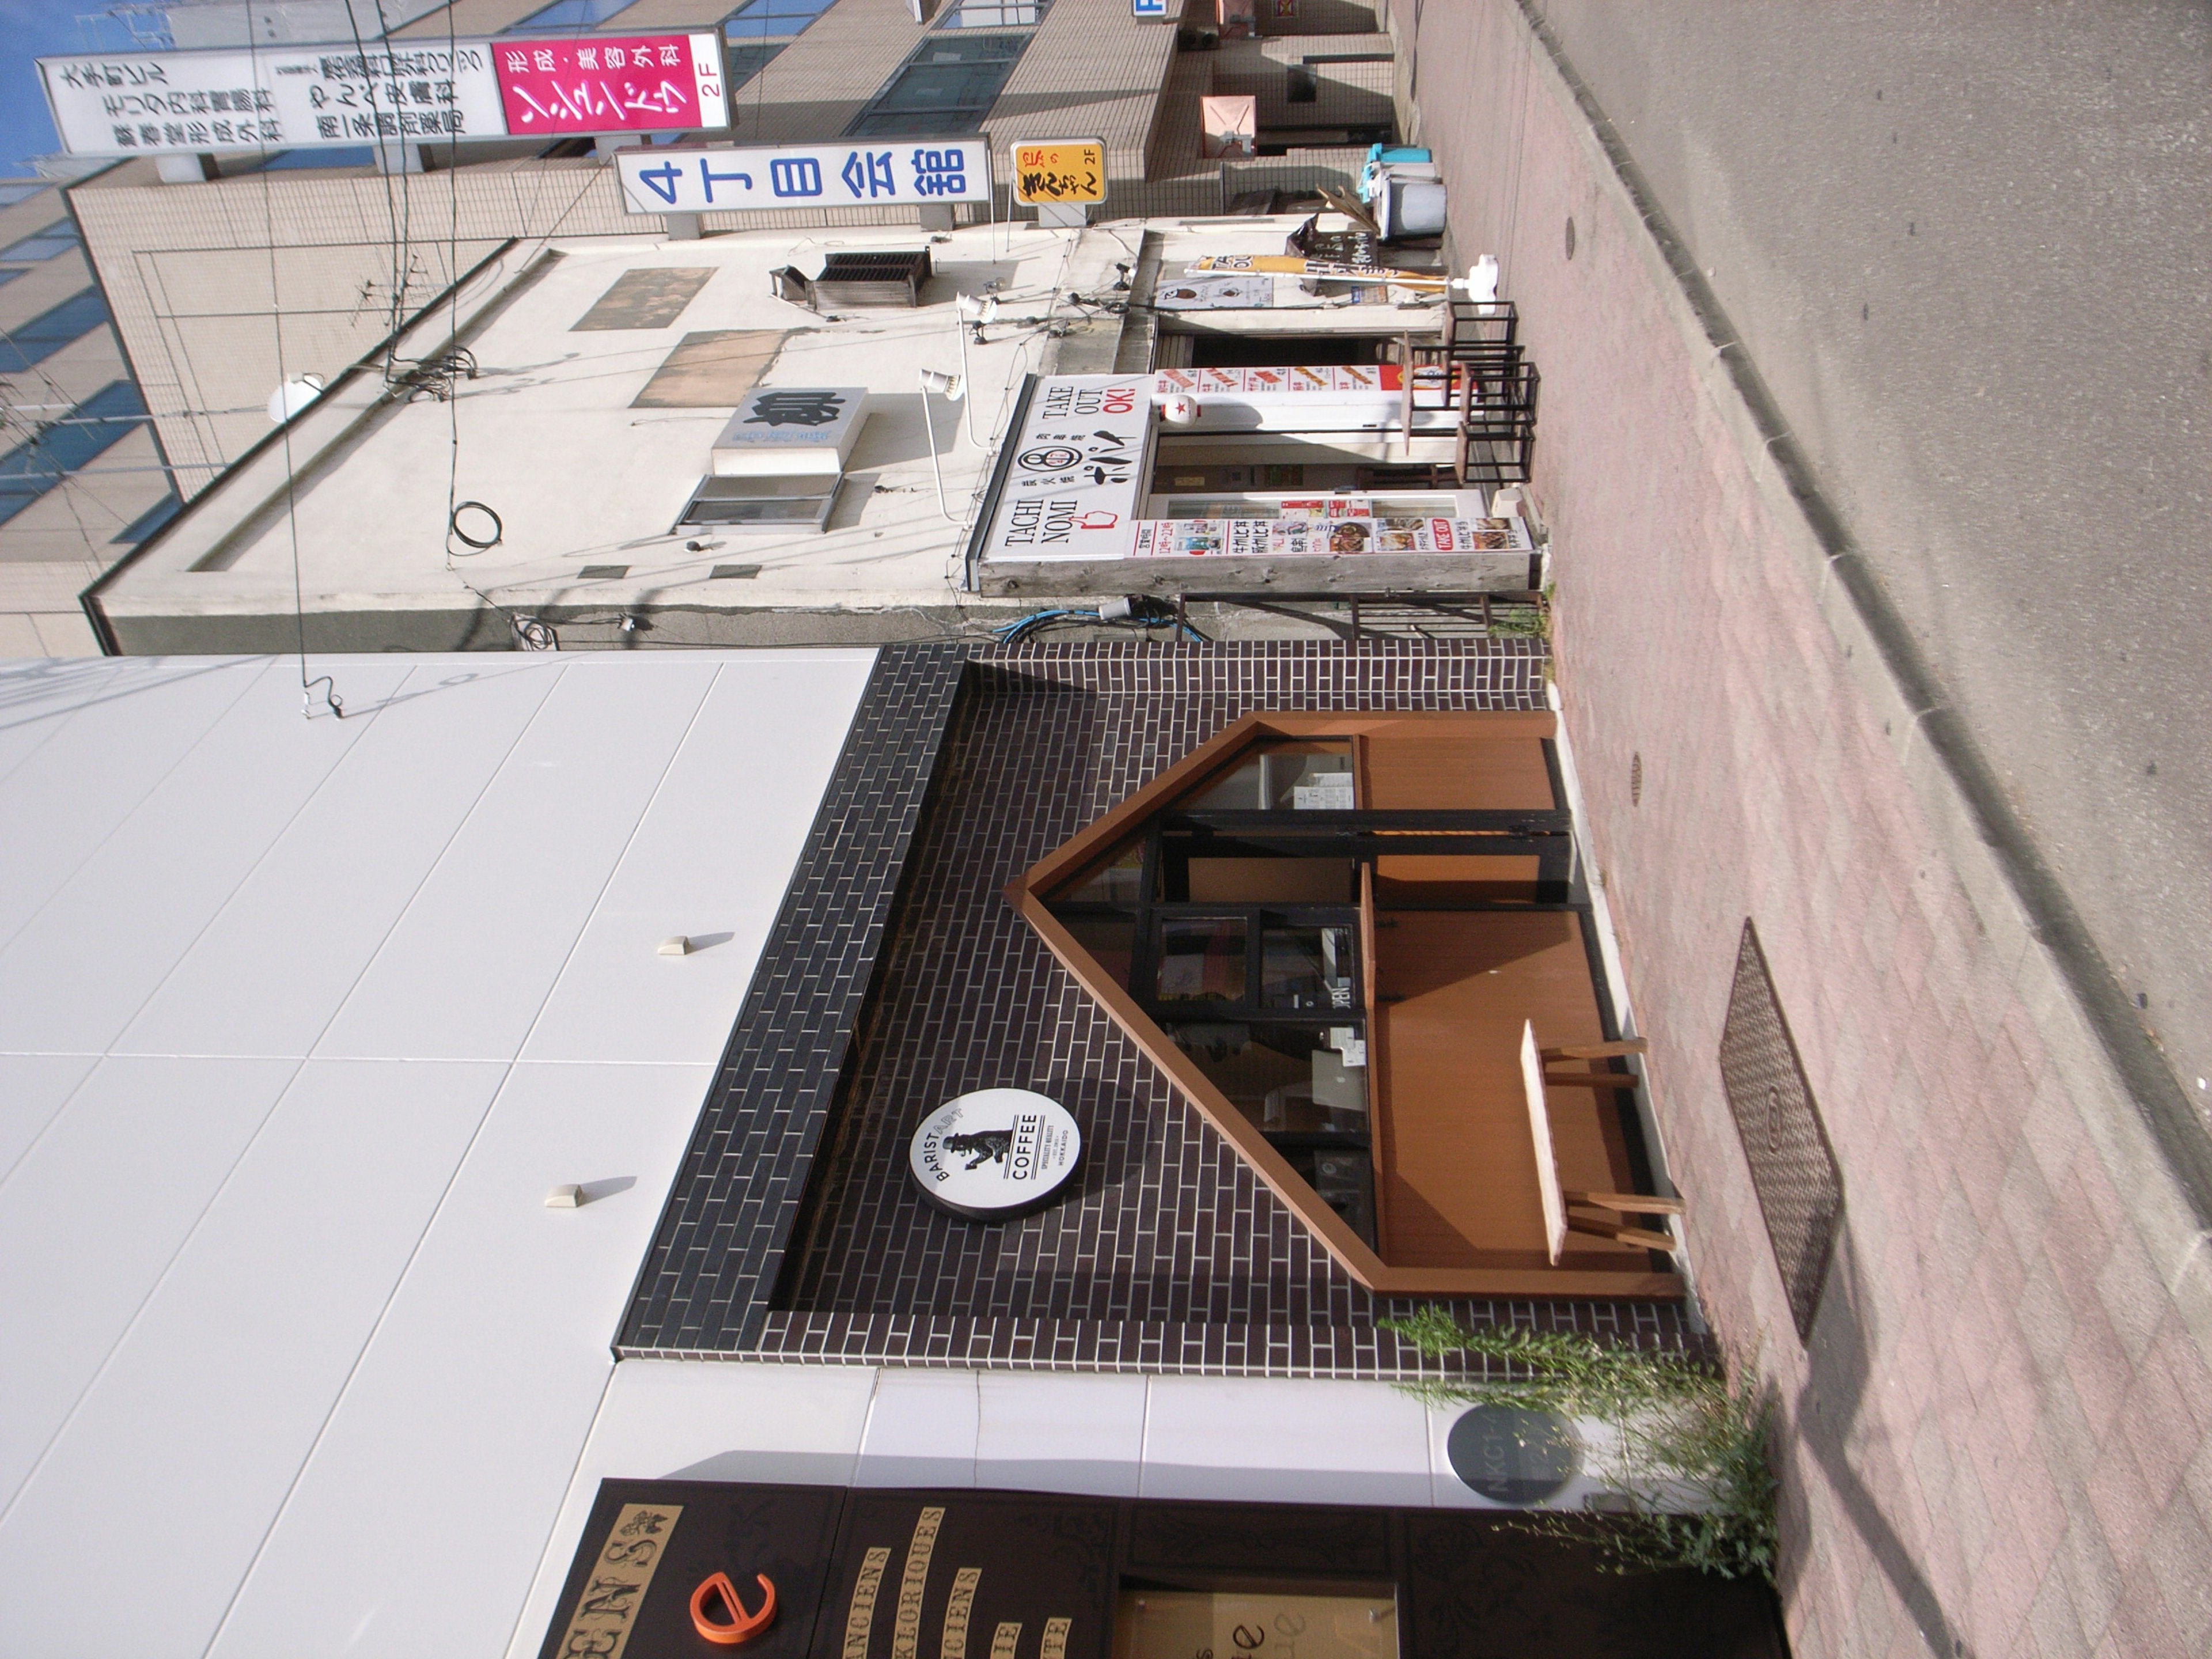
871 279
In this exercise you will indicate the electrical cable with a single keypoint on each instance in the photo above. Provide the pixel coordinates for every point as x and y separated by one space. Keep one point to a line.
331 697
1142 613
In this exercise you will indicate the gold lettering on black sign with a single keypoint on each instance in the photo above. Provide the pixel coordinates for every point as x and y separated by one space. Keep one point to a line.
863 1614
906 1633
1054 1645
1006 1640
615 1587
956 1611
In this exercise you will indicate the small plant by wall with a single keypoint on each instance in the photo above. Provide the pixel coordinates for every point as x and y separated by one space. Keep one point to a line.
1692 1485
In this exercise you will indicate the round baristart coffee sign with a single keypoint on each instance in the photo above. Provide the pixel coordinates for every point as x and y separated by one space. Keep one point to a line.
995 1153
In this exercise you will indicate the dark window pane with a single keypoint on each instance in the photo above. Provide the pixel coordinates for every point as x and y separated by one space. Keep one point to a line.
1288 1079
30 471
947 86
995 14
1201 959
1109 940
571 14
1118 882
324 157
762 20
1343 1176
48 332
1279 777
43 244
149 521
1308 967
746 61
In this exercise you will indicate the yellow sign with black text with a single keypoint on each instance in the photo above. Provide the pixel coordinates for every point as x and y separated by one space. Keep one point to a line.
1060 172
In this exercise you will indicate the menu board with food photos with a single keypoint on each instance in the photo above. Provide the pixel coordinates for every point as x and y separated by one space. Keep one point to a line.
1302 536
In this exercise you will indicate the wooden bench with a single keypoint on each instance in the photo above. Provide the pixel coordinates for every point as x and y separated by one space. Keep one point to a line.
1559 1201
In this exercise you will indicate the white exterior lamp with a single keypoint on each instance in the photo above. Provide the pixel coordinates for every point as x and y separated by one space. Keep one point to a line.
294 395
936 385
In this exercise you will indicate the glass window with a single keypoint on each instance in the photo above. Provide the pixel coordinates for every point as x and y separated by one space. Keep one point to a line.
1201 959
30 471
1288 1079
1307 968
1343 1177
746 61
42 245
1215 506
149 521
570 14
1110 941
1121 882
335 156
759 19
948 86
1283 777
50 330
995 14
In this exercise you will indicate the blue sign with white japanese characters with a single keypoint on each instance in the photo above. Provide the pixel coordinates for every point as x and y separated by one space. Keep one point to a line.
1148 7
922 172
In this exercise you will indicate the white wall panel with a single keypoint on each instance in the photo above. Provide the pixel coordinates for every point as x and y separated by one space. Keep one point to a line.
1286 1441
344 870
687 1421
203 1416
466 971
32 1089
131 727
74 975
711 860
92 1217
419 1523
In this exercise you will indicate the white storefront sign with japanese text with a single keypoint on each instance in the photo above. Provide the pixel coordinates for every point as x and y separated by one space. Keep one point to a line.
1076 471
289 97
921 172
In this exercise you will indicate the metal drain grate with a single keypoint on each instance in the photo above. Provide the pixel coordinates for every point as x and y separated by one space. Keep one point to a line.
1801 1191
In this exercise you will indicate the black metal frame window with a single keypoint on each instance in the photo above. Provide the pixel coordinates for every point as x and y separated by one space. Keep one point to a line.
1233 920
946 86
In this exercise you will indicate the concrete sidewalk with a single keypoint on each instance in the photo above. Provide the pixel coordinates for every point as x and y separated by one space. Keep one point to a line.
1998 1438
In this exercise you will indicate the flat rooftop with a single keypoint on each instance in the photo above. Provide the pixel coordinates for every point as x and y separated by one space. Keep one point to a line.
606 369
586 479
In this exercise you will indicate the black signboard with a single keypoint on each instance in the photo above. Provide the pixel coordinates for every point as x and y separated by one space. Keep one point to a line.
875 1574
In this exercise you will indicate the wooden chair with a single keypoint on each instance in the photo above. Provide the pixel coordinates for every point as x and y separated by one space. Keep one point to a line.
1557 1201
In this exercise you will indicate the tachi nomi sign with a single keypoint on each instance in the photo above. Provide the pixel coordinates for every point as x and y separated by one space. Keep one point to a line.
1071 171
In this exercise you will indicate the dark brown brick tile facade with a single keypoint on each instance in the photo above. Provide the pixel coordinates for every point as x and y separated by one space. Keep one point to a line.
1173 1256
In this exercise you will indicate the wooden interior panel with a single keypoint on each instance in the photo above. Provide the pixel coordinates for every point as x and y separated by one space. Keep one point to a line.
1447 879
1271 881
1454 989
1411 769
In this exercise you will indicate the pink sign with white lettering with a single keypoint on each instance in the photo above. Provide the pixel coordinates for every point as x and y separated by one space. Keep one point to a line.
629 83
